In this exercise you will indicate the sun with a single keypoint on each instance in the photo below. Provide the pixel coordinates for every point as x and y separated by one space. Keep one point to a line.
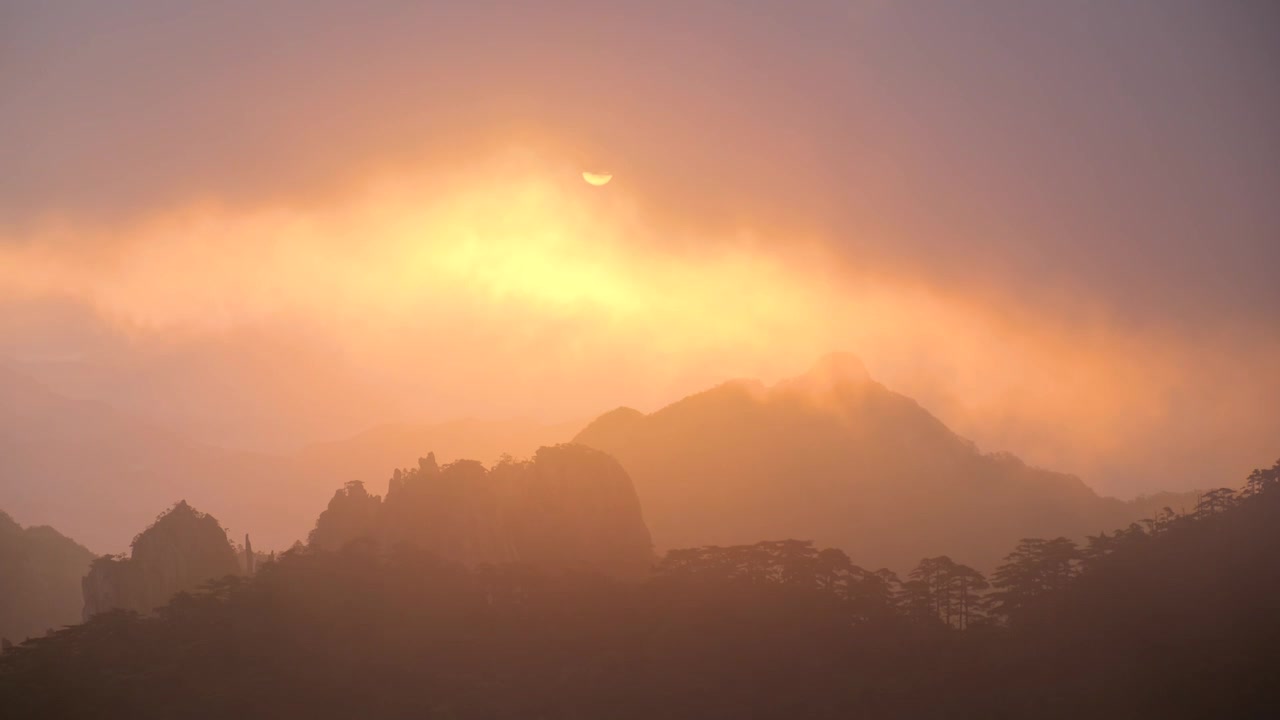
597 179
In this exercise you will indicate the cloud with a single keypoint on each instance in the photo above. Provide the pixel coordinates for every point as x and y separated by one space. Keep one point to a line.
514 288
1061 240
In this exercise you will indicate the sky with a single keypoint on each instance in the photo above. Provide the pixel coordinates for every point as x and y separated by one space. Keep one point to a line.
1053 224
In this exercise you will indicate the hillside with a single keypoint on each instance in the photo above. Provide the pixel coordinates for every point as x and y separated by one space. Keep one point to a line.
1171 619
834 456
830 455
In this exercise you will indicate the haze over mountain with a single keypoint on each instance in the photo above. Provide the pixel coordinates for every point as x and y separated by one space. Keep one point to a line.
830 455
40 571
98 473
569 507
834 456
253 253
179 552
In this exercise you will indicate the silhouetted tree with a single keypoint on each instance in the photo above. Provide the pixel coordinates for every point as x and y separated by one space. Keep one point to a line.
872 596
1161 521
1103 545
967 586
1262 480
1035 570
796 562
1179 623
930 587
943 589
1215 501
833 571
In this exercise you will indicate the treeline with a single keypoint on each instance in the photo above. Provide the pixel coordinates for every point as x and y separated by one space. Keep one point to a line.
1171 618
1035 578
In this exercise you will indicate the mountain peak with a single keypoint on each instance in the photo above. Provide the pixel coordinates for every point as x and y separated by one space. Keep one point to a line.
604 430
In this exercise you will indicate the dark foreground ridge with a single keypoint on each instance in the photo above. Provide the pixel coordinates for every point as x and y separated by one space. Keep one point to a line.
1171 618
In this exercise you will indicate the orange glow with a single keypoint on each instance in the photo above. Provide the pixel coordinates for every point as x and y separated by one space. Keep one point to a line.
542 296
405 250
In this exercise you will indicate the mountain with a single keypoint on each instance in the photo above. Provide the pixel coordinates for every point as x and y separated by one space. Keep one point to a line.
567 508
40 571
832 456
182 550
838 458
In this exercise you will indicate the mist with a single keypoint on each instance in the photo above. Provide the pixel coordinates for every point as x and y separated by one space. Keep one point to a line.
515 290
989 215
699 359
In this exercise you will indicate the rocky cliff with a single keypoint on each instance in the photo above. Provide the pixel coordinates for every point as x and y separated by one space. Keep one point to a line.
181 551
568 508
573 507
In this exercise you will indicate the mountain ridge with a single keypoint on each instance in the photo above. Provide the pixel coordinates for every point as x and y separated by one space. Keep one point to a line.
72 456
835 456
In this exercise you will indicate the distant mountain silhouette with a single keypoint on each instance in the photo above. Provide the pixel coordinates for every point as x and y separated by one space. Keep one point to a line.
182 550
87 468
731 465
40 571
568 508
835 456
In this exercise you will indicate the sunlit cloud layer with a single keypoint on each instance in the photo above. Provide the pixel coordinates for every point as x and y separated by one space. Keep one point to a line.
513 287
1053 224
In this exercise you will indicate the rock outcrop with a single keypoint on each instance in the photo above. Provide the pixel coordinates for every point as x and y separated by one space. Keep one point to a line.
249 561
574 507
568 508
181 551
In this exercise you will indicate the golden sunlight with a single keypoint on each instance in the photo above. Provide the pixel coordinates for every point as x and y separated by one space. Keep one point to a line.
891 362
530 261
409 249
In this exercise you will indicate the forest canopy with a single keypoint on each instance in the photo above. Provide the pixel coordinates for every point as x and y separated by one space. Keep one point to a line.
1169 618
